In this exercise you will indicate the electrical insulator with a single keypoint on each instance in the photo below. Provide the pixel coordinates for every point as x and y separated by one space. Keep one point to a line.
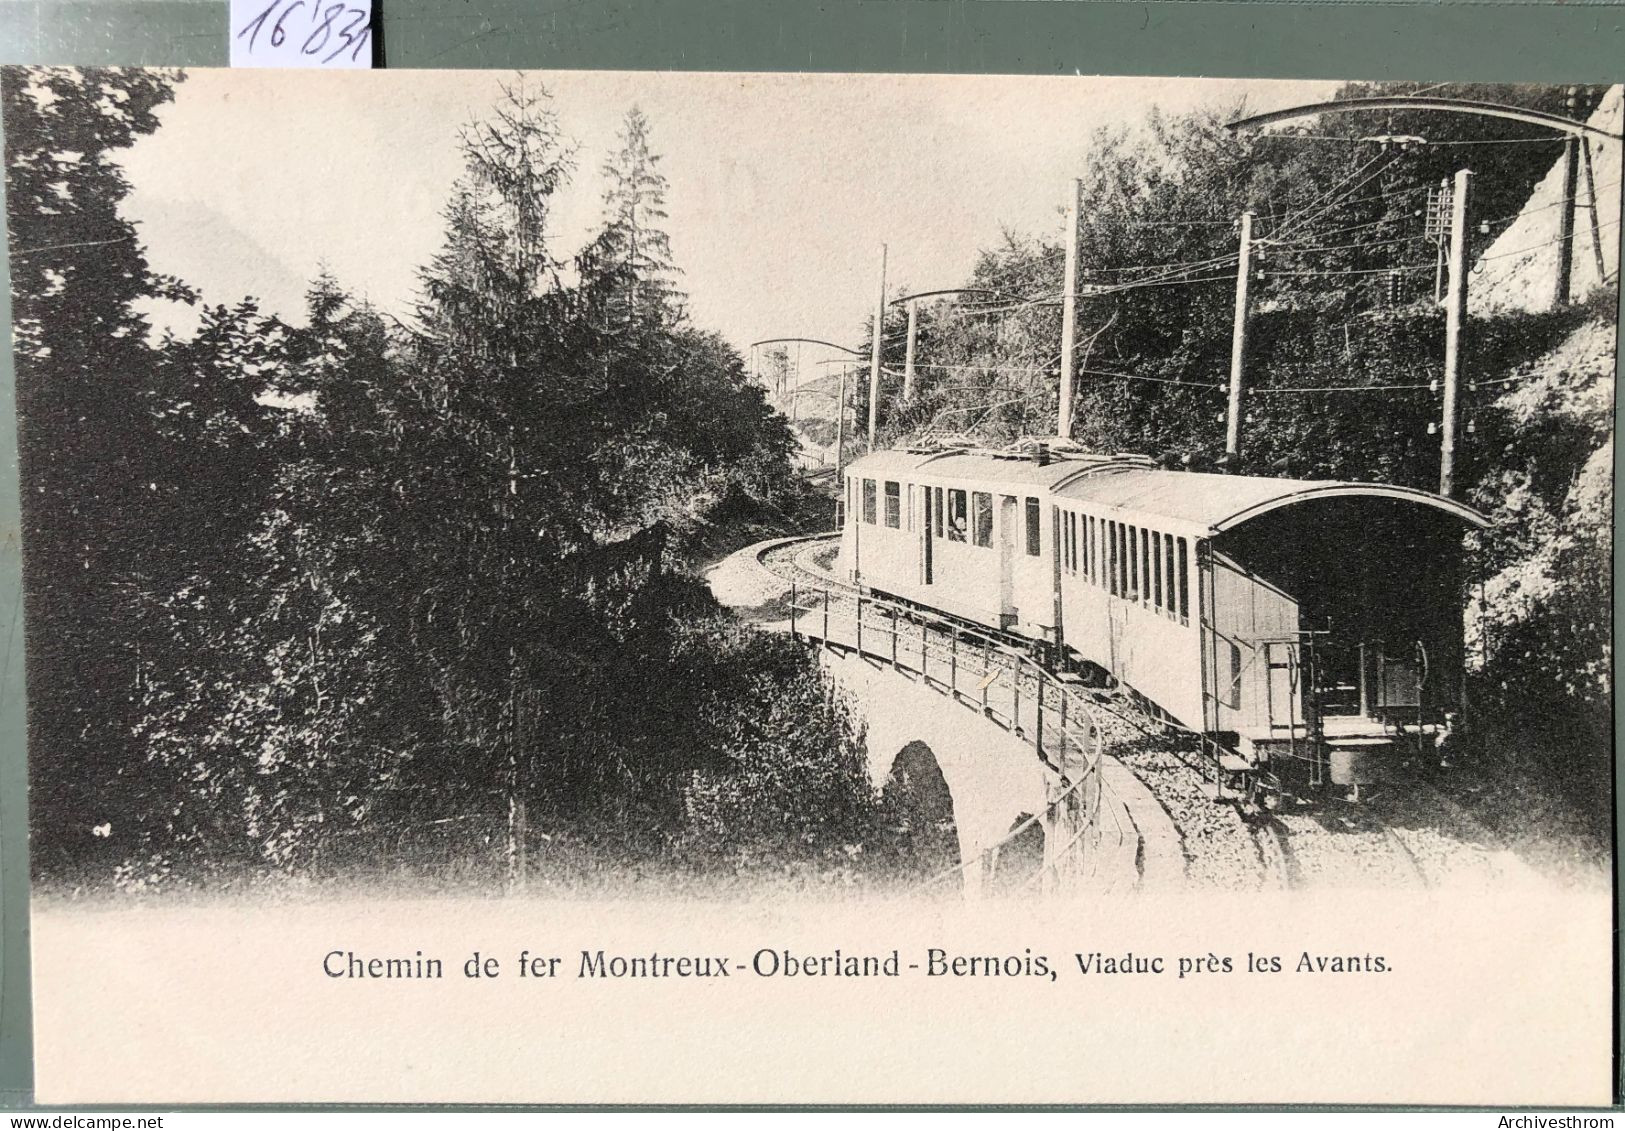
1472 426
1433 428
1433 385
1220 418
1483 227
1393 288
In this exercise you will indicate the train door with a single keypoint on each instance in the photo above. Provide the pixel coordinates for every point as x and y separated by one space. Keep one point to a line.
1009 516
1256 669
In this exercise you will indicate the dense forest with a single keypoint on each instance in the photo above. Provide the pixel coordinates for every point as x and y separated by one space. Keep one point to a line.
415 598
1345 354
402 597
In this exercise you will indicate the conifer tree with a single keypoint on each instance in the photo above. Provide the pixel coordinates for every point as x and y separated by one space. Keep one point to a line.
633 242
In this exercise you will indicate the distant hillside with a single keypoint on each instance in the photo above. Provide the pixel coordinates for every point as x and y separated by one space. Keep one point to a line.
812 409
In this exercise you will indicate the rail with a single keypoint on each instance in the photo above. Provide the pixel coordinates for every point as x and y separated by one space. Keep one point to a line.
1005 685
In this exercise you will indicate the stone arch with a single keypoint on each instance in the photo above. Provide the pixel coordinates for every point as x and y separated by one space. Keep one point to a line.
921 805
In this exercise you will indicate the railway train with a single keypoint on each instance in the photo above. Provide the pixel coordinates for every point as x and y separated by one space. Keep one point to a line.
1311 632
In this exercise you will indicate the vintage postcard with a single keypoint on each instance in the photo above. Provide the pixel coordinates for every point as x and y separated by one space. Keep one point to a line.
599 587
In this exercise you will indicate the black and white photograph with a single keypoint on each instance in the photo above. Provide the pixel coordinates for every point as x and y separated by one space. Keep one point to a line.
874 498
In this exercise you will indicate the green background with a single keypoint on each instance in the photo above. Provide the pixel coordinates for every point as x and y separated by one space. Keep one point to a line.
1500 41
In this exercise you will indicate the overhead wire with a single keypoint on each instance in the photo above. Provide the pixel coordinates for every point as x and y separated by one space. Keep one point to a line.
1348 228
1289 246
1139 284
1293 221
1153 380
1339 198
1261 389
1538 246
1575 199
1350 271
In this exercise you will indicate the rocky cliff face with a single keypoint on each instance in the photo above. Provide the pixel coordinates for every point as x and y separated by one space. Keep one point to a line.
1518 271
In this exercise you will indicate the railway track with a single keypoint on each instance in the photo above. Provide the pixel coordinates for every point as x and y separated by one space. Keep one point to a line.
1408 836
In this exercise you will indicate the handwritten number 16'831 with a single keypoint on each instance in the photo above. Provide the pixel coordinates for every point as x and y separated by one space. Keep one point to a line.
320 30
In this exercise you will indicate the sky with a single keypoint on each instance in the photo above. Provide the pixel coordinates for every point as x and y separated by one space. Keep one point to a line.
783 187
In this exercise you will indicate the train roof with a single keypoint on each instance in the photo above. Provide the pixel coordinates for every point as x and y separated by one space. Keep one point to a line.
1004 468
1212 504
1201 503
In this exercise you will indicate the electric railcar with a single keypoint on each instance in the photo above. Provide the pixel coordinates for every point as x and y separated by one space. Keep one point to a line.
1310 630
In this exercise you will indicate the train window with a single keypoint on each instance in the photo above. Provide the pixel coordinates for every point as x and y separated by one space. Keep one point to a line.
1091 553
869 501
1119 567
1112 562
1145 563
981 509
958 516
1133 563
1105 567
1100 552
1168 570
936 510
908 505
1182 573
1123 532
1034 541
1153 565
1072 540
1117 559
894 504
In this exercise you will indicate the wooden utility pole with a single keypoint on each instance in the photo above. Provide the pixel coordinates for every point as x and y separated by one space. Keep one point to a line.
1562 290
1565 212
874 352
795 390
1069 312
1238 340
1455 317
1591 207
908 357
840 434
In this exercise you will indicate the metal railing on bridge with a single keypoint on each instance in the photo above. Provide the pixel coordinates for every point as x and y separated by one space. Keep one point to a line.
1007 686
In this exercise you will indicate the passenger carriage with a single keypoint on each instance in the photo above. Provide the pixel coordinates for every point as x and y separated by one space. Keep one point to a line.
1312 630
